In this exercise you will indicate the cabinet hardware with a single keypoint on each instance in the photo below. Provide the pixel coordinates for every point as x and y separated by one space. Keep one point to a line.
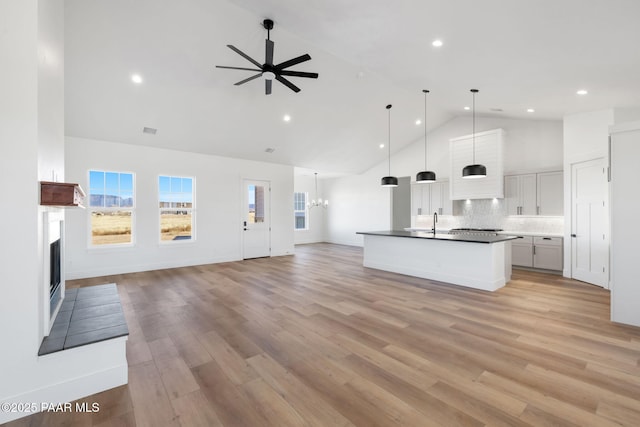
537 210
546 238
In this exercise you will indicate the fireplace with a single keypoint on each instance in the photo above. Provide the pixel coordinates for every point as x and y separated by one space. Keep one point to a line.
54 275
53 267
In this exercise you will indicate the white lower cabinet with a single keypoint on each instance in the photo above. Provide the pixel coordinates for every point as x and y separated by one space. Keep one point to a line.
537 252
547 253
522 251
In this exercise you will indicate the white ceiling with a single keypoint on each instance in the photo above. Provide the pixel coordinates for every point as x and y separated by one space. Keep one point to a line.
369 53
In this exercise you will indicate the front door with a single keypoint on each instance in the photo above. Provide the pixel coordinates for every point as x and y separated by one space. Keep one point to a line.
256 222
589 228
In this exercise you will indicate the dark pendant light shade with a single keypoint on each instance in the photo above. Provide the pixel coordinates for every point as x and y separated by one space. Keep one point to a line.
389 181
475 170
425 175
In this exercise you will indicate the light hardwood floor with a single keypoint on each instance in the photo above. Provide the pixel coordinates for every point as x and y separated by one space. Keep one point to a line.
315 339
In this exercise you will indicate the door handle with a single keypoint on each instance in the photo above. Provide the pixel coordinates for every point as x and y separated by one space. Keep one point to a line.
245 224
245 229
573 235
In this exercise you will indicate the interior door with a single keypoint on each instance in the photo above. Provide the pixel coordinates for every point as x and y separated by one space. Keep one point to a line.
589 228
256 237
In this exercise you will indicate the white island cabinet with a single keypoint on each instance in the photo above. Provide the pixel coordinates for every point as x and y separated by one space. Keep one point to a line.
480 262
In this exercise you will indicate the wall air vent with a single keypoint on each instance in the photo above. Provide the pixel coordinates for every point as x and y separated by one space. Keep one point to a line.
150 131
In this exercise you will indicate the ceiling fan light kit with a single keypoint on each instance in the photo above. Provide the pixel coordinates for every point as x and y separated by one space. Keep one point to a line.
425 175
268 71
389 181
474 170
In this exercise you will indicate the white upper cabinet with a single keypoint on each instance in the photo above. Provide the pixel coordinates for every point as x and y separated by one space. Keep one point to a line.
550 194
520 194
429 198
440 200
489 148
534 194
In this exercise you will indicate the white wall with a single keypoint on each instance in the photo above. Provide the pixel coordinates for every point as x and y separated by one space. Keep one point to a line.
19 257
218 207
359 203
32 148
316 219
586 137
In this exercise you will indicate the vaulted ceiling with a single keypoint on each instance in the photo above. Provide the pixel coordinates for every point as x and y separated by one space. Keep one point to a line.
368 53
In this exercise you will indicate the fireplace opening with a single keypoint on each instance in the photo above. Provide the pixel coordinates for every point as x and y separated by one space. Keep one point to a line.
54 276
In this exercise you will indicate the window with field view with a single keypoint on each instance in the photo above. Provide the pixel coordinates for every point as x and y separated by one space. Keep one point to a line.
300 211
111 207
176 208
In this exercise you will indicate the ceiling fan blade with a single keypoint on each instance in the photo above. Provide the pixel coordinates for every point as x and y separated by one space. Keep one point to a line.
287 83
267 87
245 56
269 52
298 74
294 61
241 82
238 68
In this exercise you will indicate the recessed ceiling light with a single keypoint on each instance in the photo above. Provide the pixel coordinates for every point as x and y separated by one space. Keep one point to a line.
530 110
381 145
582 92
437 43
269 150
136 78
286 118
418 122
467 108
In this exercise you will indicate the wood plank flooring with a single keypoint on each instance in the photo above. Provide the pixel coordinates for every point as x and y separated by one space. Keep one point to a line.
315 339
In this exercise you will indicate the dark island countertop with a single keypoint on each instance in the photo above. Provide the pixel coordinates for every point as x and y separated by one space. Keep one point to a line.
440 236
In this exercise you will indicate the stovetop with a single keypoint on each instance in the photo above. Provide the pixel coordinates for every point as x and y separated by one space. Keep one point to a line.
483 231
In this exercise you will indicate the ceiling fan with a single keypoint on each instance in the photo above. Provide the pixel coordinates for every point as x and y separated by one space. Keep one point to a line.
268 70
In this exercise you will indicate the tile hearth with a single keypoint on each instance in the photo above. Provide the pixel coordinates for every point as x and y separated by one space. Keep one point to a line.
87 315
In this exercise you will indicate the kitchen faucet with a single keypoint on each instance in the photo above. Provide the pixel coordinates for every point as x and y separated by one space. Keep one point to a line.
435 220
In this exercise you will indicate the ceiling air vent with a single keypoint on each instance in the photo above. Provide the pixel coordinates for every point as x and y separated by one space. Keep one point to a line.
150 131
269 150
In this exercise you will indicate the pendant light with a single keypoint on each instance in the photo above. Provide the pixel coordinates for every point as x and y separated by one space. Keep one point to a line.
317 201
389 181
474 170
425 175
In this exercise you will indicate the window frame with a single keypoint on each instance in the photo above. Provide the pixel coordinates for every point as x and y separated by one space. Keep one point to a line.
305 210
191 210
92 209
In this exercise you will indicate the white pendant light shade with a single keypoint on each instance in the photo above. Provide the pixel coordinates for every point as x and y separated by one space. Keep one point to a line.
389 181
474 170
425 175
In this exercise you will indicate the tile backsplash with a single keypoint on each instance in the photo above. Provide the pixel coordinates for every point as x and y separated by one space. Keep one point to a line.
490 213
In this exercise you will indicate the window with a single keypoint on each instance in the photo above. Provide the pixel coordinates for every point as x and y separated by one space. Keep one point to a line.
111 207
300 211
175 195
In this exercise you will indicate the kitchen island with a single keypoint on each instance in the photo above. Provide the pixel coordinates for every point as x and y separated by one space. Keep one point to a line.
481 262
